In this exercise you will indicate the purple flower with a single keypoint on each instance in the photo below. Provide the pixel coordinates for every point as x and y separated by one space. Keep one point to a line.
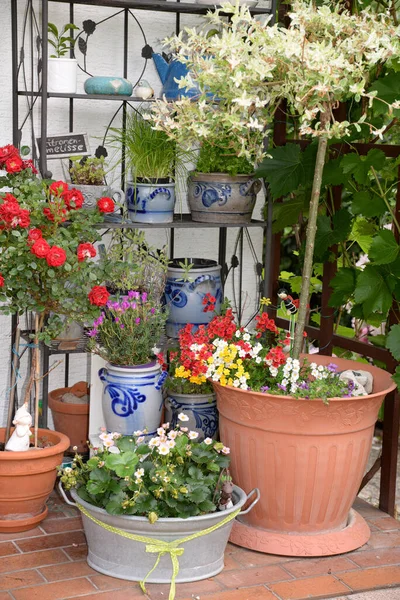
122 326
332 367
132 294
134 305
264 389
282 387
304 385
152 310
117 319
115 305
92 332
351 385
137 320
125 305
144 297
109 304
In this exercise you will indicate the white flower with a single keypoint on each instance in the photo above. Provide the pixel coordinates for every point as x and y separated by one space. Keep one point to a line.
154 442
137 433
108 443
156 350
106 437
258 359
225 450
69 470
208 441
163 449
172 435
160 431
236 383
184 429
139 473
114 450
170 443
183 417
165 425
246 337
192 435
140 439
237 333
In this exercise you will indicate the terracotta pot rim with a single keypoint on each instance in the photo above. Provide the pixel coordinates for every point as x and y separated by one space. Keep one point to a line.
370 368
61 446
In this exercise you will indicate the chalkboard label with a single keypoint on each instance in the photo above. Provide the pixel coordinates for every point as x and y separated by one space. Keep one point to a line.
65 145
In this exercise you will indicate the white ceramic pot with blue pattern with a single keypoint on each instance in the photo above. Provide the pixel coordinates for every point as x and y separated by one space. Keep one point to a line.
201 410
150 202
132 397
222 198
184 295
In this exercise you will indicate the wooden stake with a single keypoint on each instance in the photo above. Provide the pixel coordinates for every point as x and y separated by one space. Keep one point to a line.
36 366
13 383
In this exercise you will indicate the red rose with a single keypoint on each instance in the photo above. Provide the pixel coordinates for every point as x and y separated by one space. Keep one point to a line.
9 211
7 152
106 205
40 248
51 212
33 235
24 219
98 295
58 188
56 257
85 251
73 199
9 198
28 164
1 280
13 164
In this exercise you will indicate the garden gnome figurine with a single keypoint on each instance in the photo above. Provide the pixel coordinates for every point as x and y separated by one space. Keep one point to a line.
226 496
19 441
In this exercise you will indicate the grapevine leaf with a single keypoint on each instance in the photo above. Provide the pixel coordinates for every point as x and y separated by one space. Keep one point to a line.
343 285
372 291
284 171
384 248
367 204
387 89
393 341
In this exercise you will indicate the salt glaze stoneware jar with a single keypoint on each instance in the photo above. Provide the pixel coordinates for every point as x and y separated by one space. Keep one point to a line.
221 198
132 397
200 408
308 459
150 202
184 293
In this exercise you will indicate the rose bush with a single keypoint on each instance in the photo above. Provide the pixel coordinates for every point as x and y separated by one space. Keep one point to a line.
46 262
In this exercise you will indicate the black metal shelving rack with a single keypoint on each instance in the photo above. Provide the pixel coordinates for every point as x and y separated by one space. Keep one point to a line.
42 95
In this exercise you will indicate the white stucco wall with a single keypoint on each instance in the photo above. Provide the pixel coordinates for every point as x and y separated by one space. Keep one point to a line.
105 57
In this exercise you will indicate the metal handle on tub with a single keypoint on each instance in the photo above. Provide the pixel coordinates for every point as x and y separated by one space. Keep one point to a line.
256 499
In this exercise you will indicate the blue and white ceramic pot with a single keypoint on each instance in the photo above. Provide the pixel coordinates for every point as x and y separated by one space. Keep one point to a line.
132 397
184 296
221 198
150 202
201 410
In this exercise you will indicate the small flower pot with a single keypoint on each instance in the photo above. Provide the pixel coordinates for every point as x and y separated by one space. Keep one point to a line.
150 202
71 419
201 409
62 75
92 193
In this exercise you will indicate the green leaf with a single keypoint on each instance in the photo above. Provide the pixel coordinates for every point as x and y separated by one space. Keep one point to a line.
362 232
372 291
284 171
343 285
359 166
384 248
333 173
396 377
52 29
393 341
286 213
387 89
367 204
199 494
123 464
207 506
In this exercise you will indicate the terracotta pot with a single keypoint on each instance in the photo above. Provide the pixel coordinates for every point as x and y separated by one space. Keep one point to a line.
26 481
307 459
71 419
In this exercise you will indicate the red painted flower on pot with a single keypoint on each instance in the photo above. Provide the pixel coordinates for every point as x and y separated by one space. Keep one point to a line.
56 256
98 295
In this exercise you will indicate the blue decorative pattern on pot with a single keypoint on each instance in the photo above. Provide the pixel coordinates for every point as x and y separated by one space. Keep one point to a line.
201 410
220 198
132 397
184 299
150 203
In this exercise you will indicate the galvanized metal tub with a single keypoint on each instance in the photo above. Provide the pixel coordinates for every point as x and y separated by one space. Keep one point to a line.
117 556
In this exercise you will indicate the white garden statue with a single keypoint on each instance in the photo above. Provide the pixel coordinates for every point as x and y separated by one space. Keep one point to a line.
19 441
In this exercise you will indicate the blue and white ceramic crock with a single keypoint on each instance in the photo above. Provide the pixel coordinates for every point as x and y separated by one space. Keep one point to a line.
221 198
184 296
132 398
201 410
150 202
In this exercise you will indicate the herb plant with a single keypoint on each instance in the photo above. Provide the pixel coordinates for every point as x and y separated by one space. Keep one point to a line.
61 41
87 171
172 475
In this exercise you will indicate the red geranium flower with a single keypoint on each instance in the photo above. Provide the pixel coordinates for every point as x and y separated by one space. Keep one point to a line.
98 295
56 257
13 164
264 323
73 199
40 248
1 281
33 235
106 205
58 188
276 356
85 251
7 152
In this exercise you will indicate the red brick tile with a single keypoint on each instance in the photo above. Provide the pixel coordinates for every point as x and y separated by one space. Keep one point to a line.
56 540
312 587
252 593
248 558
55 591
184 590
125 594
319 566
7 548
5 596
368 579
22 534
77 552
382 539
59 525
377 557
246 577
67 571
366 510
230 562
19 579
105 583
32 560
386 523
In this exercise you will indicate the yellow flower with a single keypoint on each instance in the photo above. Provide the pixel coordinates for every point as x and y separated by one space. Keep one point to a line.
265 301
181 372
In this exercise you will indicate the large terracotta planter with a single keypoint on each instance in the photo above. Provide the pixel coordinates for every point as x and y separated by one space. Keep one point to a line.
71 419
27 480
307 459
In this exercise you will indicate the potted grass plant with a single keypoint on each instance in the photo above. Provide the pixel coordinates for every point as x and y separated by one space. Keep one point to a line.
311 454
46 269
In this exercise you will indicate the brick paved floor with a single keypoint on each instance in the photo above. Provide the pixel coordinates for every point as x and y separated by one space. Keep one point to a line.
49 563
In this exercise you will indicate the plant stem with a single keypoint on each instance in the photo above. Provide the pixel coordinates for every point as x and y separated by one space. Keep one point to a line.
310 240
